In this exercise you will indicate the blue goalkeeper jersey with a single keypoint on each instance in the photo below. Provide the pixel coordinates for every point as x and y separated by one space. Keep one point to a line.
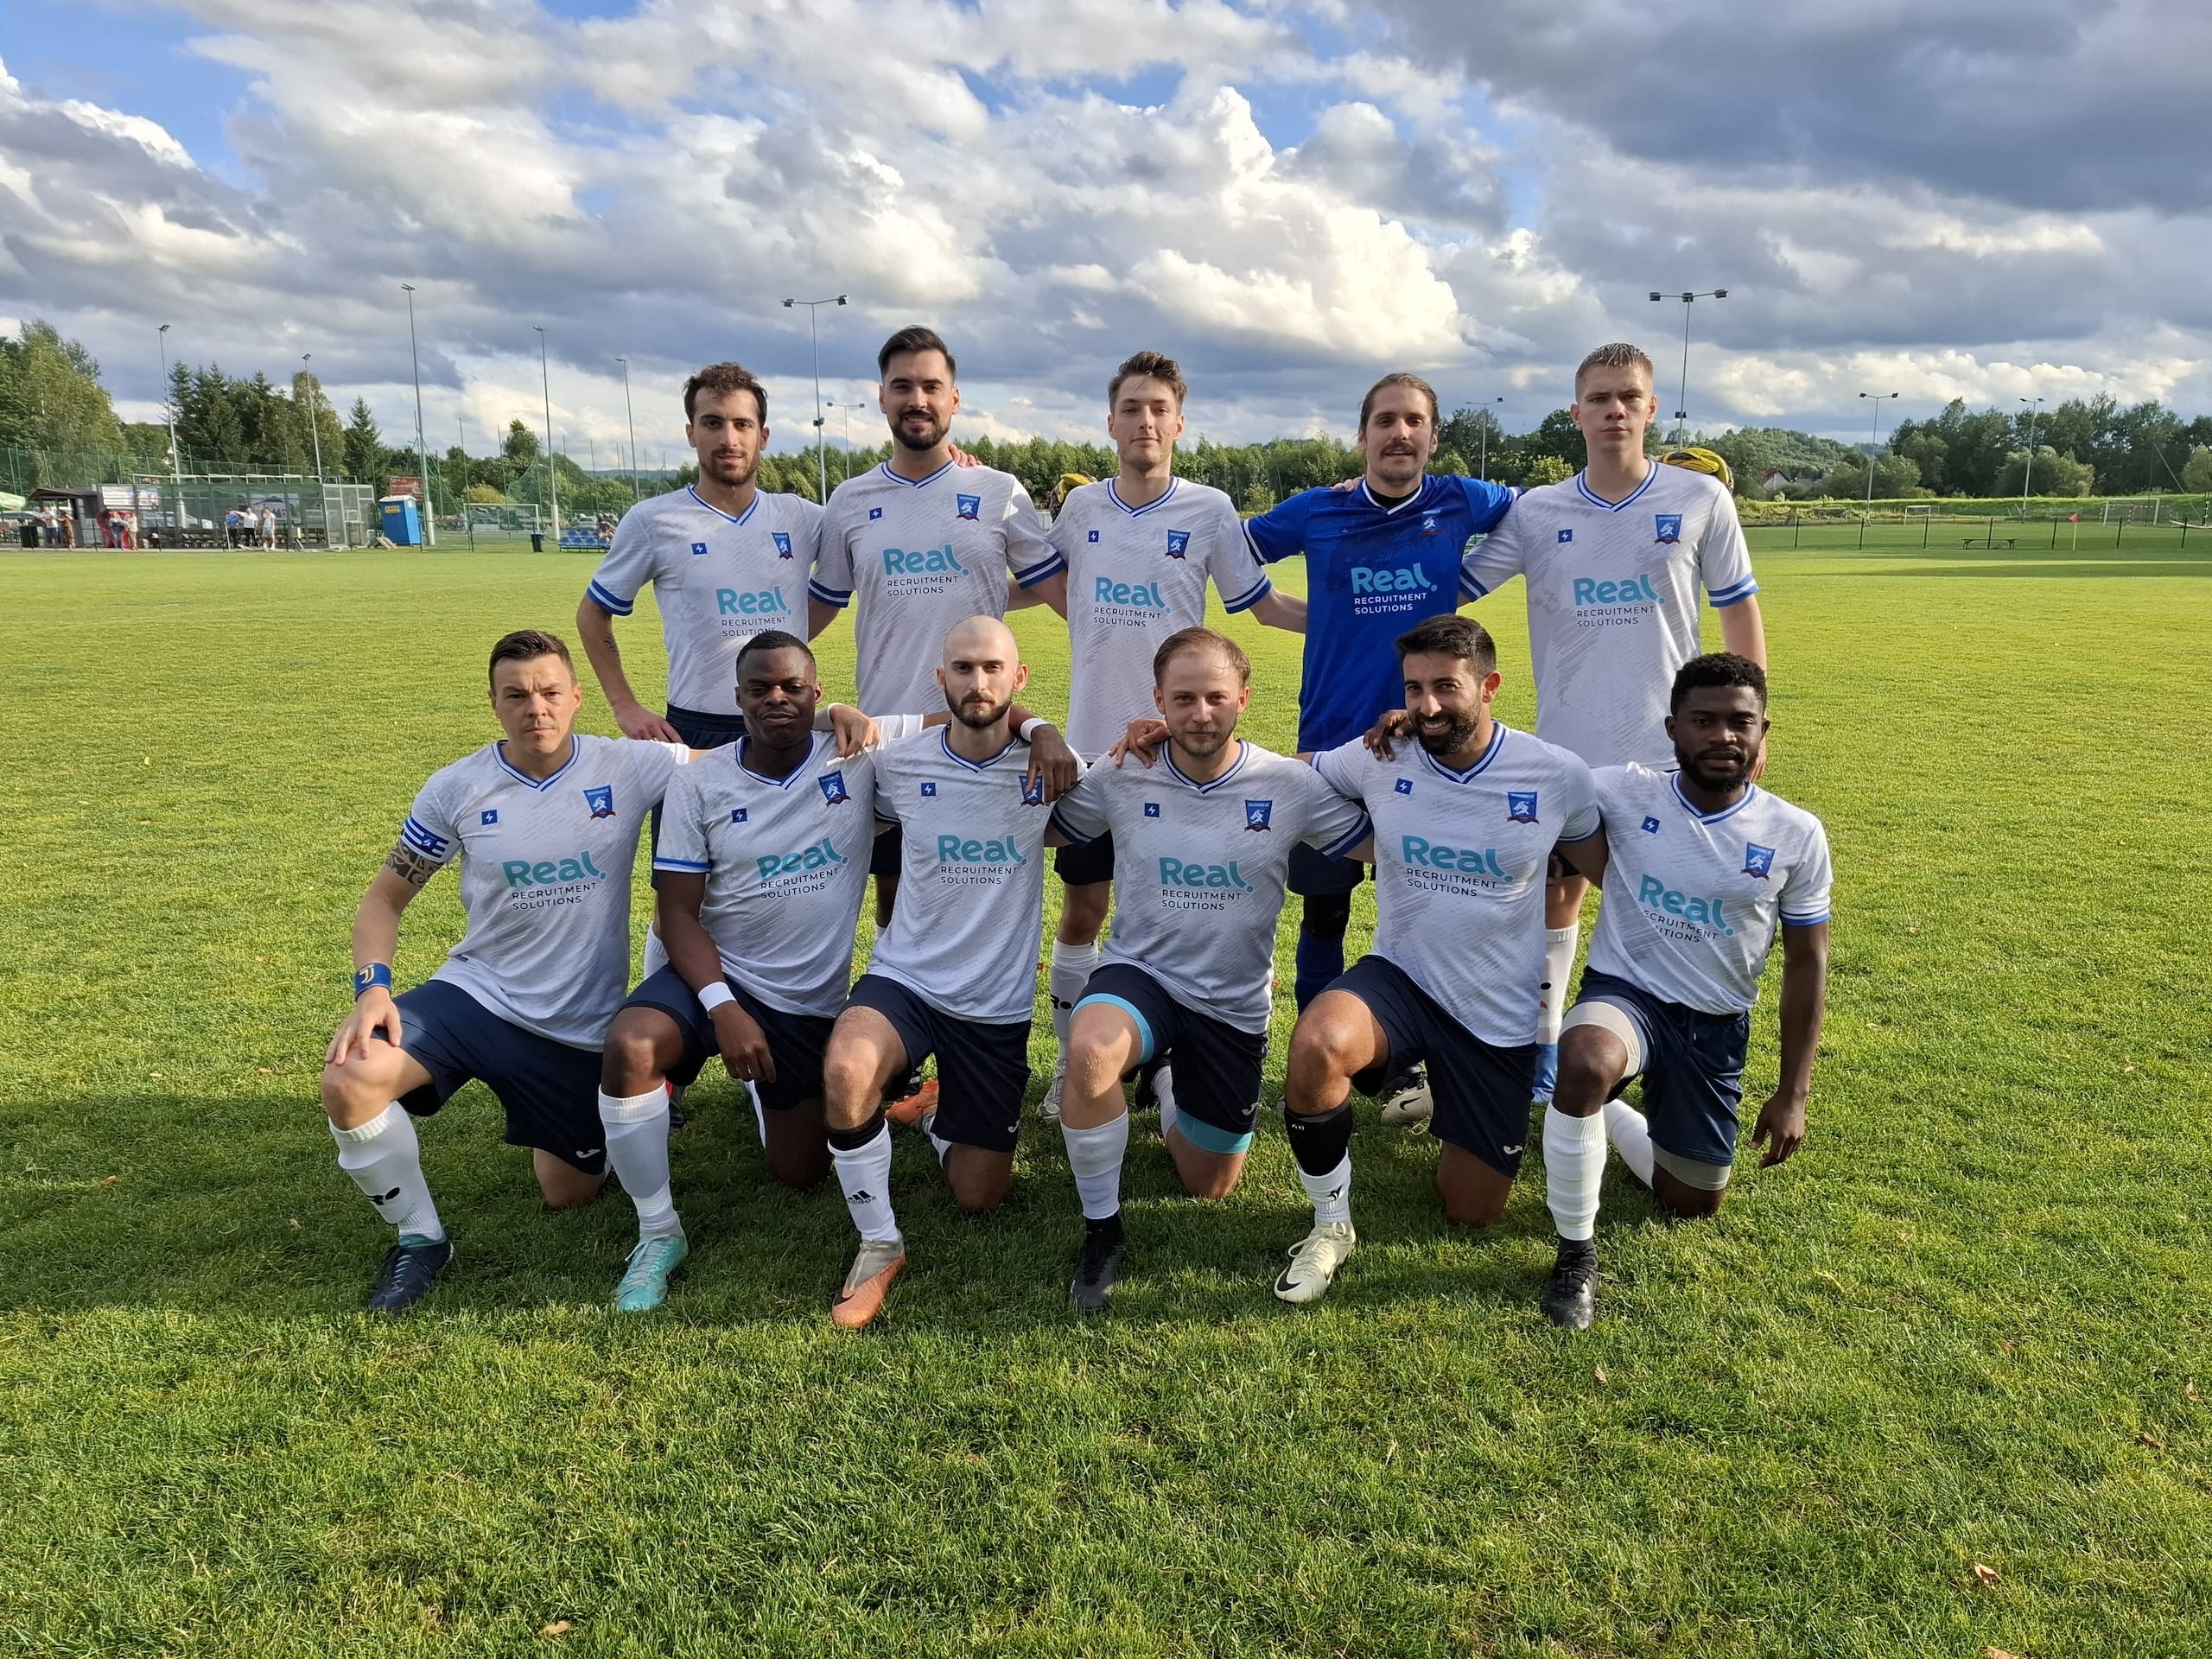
1371 572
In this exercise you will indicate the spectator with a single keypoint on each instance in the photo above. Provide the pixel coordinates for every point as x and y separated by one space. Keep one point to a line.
268 525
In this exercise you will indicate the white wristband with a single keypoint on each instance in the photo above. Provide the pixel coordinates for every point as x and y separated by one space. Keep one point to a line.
715 996
1029 727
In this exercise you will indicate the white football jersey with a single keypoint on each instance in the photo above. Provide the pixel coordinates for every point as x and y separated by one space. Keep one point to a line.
924 555
544 877
785 860
718 581
1136 574
972 890
1199 869
1693 899
1459 864
1613 601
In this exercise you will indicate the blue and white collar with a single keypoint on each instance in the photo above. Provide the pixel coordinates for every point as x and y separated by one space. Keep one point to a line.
1114 495
1243 753
944 743
1675 782
692 490
737 754
1496 741
500 753
884 467
1582 488
1420 490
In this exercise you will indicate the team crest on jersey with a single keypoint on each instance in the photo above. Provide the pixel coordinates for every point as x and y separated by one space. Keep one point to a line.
929 787
1179 543
1033 790
1093 536
833 787
490 815
1652 826
1521 806
737 814
783 540
600 800
1428 524
969 506
875 514
1257 814
1405 785
1757 860
698 550
1565 536
1669 526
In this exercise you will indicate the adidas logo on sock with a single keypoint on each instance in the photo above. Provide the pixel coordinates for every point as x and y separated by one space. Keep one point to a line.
863 1197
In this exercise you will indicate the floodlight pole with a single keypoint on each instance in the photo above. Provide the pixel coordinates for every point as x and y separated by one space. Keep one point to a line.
315 431
2028 471
552 478
1877 398
845 414
1482 466
429 509
821 435
1682 398
636 494
176 460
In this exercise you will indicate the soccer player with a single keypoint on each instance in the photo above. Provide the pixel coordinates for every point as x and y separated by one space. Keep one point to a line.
925 543
1202 849
1379 558
1614 559
725 558
1705 869
955 972
545 824
1466 825
1141 549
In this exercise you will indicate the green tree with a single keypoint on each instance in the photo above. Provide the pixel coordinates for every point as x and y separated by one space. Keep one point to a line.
1546 469
2197 471
314 421
1895 476
363 446
2054 474
520 444
51 399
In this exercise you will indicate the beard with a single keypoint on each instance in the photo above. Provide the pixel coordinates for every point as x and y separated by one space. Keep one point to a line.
976 713
919 442
735 471
1458 732
1202 745
1716 770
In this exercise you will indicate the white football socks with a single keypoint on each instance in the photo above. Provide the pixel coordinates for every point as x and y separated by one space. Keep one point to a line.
1073 966
1632 1137
1095 1159
636 1148
1574 1167
656 953
943 1146
865 1173
386 1161
1558 967
1332 1193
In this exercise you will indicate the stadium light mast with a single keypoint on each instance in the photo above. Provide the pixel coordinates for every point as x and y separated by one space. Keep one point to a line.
845 413
636 494
2027 472
821 435
1482 427
176 459
1877 398
315 431
552 478
1682 397
422 443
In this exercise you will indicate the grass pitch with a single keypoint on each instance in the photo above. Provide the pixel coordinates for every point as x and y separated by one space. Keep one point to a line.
1966 1329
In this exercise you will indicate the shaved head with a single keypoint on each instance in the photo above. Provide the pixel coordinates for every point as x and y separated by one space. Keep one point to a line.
982 635
982 672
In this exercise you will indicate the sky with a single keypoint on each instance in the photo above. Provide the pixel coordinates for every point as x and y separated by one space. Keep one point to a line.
1990 199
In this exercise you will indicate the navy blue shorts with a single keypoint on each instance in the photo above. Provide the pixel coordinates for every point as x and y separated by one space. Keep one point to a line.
1693 1068
983 1071
701 731
885 857
795 1041
1315 874
550 1090
1087 865
1481 1091
1217 1065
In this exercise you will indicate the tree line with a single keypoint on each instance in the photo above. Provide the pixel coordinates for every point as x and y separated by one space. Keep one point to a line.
53 408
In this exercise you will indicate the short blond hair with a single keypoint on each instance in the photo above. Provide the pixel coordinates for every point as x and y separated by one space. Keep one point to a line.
1618 355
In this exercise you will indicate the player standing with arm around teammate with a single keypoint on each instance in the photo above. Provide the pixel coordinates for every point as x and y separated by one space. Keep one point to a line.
954 975
1705 868
545 824
1379 558
1140 548
1466 825
1614 559
1202 845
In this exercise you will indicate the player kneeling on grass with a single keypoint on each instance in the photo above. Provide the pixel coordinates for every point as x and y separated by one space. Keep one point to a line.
545 824
1705 867
954 972
763 863
1202 846
1464 828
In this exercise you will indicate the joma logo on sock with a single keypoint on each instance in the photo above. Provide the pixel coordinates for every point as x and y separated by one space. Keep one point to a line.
521 872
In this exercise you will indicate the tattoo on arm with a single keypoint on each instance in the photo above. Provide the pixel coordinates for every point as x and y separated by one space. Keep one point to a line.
410 865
